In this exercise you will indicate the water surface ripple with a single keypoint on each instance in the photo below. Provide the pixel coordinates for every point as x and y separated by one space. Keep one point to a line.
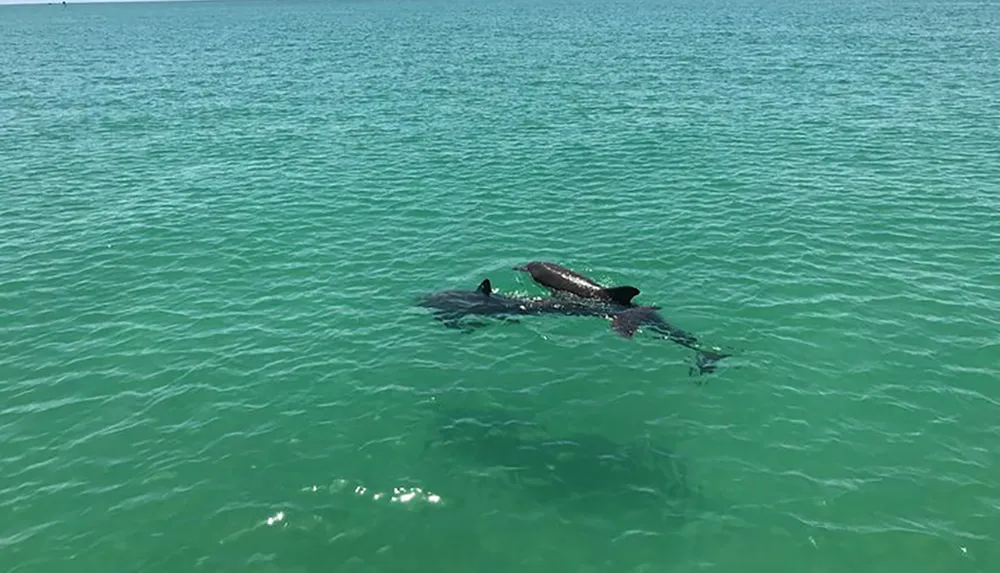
217 219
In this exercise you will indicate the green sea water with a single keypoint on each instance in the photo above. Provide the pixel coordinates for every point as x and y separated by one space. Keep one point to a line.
216 219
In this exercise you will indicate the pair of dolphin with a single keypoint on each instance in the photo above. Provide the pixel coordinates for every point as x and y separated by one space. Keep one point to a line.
576 295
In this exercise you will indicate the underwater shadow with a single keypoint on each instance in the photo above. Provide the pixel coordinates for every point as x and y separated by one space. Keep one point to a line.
577 474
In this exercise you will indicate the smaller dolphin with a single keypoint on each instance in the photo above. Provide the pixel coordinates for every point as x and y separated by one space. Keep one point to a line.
557 278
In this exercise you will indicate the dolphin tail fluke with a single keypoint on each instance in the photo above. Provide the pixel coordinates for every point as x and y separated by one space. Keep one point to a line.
706 360
621 294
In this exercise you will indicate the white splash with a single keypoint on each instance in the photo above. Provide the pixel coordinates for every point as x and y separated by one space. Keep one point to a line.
398 494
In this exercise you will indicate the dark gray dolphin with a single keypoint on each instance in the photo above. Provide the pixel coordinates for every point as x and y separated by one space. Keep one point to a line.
558 278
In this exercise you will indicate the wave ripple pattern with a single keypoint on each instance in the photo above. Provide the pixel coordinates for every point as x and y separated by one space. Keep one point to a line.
216 219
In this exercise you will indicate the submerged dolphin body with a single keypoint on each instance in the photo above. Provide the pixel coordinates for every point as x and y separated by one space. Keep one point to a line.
628 321
451 306
558 278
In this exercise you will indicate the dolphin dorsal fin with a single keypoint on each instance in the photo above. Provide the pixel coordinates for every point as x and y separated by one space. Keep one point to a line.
485 287
621 294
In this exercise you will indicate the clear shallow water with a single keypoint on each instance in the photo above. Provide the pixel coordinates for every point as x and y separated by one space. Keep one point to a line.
217 218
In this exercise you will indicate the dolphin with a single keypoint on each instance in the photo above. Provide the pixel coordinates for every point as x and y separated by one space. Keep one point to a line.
558 278
451 306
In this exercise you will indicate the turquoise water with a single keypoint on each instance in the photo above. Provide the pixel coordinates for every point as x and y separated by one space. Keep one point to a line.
217 217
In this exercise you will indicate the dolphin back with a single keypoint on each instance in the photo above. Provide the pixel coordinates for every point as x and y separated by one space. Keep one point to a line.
560 278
